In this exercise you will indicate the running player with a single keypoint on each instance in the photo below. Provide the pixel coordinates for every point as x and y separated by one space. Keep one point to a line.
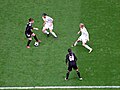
48 24
83 38
71 62
29 33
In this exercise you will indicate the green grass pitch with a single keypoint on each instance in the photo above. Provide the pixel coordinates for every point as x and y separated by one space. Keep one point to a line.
45 65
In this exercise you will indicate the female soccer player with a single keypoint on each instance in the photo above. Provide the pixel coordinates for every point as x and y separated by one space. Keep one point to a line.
83 38
29 33
71 62
48 24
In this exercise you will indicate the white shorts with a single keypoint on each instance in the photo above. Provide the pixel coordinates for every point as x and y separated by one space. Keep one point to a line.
48 26
84 39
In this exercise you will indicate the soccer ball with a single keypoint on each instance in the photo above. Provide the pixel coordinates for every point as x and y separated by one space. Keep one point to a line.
36 44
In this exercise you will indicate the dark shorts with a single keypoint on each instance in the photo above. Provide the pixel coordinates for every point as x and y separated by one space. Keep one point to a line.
72 66
28 35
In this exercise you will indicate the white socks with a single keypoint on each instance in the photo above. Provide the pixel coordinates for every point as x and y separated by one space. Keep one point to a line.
53 34
46 32
75 43
86 46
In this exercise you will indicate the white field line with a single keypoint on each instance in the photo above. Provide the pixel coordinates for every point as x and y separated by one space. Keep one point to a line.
61 87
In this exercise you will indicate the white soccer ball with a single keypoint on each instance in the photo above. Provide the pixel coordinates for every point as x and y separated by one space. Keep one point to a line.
36 44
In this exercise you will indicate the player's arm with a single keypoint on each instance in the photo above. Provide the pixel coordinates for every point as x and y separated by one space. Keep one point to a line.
44 21
67 57
32 28
52 20
79 32
75 57
29 26
35 28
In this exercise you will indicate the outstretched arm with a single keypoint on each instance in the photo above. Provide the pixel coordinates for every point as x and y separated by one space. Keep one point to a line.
66 59
79 32
35 28
44 21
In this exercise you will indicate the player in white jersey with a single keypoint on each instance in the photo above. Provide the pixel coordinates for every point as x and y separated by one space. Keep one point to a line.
83 38
48 24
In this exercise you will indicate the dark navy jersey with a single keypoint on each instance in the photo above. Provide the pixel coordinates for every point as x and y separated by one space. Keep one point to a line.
29 27
71 59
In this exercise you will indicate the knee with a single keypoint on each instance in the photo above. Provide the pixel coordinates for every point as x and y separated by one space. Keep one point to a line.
68 71
51 31
30 39
76 70
43 31
33 34
83 44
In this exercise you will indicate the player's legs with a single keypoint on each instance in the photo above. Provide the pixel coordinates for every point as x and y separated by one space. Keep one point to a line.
29 41
68 72
67 75
44 30
51 29
76 42
86 46
28 35
35 37
53 33
77 71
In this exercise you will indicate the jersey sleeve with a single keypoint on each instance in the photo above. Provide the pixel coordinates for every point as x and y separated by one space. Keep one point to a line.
49 19
75 57
29 27
67 58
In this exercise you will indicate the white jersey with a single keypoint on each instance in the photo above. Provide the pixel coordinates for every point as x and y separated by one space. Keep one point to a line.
48 23
84 32
47 19
84 35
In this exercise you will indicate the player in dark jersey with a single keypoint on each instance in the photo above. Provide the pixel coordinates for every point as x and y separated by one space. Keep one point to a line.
29 33
71 62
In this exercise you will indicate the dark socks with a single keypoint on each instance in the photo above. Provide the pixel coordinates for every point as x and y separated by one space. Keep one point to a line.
67 75
28 42
35 37
78 73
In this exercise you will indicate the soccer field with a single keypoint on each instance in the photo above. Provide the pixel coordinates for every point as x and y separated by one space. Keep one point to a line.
45 65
